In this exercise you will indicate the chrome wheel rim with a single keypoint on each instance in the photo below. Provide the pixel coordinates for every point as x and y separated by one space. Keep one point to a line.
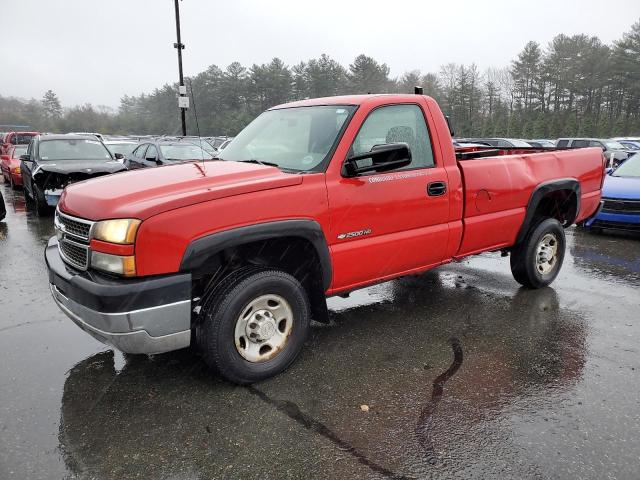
547 254
263 328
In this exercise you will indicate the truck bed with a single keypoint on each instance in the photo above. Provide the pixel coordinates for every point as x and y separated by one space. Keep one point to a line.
497 190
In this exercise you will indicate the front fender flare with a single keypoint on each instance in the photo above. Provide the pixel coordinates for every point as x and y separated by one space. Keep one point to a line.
201 250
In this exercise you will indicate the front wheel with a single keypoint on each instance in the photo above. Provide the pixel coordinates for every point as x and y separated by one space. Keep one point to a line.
42 208
537 260
254 324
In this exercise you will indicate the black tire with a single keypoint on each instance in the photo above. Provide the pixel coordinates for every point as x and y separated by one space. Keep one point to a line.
222 309
524 261
42 209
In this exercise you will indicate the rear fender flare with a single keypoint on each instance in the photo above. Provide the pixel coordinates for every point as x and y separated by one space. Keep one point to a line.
542 191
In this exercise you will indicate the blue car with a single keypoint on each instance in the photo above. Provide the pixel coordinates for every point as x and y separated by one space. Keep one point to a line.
621 195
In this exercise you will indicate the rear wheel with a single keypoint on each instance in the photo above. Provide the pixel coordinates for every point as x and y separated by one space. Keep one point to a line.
537 260
254 324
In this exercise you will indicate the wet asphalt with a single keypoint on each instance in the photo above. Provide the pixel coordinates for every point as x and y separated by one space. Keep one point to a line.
465 375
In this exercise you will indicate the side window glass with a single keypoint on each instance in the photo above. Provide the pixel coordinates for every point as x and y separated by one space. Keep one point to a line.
139 153
580 143
394 124
152 153
562 143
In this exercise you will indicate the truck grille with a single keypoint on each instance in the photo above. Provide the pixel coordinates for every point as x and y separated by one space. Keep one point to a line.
616 205
73 226
75 254
73 239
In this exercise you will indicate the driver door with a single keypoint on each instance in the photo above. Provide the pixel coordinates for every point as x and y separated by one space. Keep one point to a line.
387 224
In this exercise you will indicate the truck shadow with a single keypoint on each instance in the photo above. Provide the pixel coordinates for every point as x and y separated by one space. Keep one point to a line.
166 416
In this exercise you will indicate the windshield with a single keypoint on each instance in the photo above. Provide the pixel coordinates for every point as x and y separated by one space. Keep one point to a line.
22 139
631 145
292 138
184 152
614 146
20 150
73 149
124 148
630 168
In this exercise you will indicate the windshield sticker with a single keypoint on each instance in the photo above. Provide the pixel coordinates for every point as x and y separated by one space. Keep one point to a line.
396 176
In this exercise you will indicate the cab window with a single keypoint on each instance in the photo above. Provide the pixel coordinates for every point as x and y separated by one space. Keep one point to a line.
394 124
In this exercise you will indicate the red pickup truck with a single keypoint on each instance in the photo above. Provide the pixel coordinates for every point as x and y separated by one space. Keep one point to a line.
312 199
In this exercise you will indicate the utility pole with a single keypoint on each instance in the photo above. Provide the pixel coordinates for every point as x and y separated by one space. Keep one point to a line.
183 100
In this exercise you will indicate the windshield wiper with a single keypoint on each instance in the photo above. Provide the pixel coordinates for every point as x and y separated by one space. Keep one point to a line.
260 162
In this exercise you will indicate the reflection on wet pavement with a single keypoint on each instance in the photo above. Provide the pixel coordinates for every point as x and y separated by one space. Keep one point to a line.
465 375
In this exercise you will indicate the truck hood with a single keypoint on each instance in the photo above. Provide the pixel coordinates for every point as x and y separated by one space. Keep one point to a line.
79 166
147 192
621 187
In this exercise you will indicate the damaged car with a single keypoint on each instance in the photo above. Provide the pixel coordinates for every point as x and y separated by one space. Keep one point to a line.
54 161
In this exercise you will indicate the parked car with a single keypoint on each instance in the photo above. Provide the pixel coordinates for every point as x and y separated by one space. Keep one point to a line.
16 138
215 142
93 134
621 199
54 161
122 147
497 142
240 254
10 165
541 143
630 145
165 152
3 209
613 151
225 144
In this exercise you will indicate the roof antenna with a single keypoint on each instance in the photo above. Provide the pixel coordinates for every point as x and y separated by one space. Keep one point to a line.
195 114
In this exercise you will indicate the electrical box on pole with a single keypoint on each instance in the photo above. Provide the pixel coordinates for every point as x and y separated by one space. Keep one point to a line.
183 102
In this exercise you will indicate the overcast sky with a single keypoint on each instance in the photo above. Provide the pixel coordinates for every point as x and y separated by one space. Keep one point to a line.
97 51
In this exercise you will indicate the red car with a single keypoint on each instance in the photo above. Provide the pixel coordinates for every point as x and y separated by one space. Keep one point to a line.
16 138
10 165
312 199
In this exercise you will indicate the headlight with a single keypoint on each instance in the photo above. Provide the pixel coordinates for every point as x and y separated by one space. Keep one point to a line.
122 231
114 263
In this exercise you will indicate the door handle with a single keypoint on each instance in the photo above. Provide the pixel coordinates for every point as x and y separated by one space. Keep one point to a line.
435 189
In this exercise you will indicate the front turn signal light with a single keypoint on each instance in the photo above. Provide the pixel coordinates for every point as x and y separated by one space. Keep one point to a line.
120 265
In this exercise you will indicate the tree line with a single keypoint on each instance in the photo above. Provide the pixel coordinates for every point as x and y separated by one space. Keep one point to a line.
575 86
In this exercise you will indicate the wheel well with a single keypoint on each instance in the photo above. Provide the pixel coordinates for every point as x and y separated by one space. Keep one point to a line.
559 199
559 204
294 255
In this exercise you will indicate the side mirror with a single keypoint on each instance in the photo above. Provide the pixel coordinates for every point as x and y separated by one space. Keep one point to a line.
381 158
608 170
25 158
118 156
157 160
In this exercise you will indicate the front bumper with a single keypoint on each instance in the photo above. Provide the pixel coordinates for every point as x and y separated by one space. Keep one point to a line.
133 315
629 222
17 179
